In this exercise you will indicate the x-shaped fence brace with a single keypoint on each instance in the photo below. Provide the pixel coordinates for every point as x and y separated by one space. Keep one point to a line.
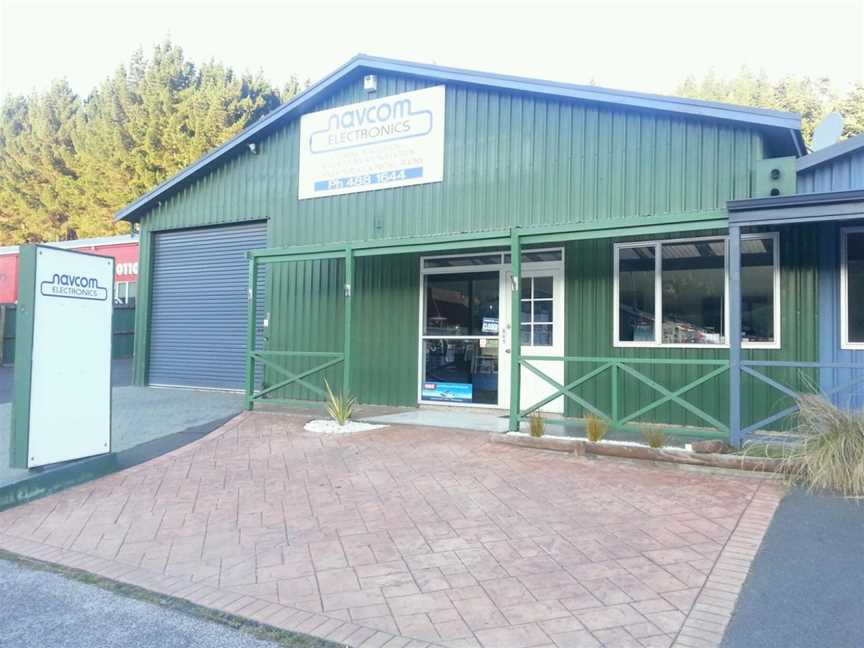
615 365
292 377
748 367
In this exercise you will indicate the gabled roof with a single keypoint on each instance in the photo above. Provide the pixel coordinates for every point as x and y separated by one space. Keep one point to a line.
830 153
786 124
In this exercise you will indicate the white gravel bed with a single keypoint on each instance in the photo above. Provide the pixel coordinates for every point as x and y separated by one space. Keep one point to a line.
329 426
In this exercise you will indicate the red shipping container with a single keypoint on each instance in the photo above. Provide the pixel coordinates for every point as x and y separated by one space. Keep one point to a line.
8 278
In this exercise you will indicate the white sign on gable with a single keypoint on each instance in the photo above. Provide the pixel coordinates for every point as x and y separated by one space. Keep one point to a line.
396 141
70 388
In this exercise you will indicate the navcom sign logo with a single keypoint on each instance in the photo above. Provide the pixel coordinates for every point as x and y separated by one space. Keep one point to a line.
74 287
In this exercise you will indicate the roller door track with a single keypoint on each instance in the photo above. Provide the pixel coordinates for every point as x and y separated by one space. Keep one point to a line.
198 312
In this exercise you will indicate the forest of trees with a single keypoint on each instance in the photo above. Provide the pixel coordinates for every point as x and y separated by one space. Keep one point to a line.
812 98
68 163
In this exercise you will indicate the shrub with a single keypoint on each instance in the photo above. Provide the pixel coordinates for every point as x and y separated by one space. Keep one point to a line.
536 425
595 429
339 407
830 455
654 437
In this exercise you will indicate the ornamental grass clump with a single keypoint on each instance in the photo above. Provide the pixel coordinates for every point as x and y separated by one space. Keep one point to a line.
830 455
339 406
595 429
536 425
654 437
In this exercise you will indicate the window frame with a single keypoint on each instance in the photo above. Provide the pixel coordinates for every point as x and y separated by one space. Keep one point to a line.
845 343
657 244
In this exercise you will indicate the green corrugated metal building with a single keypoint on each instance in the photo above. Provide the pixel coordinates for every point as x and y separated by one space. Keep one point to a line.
382 210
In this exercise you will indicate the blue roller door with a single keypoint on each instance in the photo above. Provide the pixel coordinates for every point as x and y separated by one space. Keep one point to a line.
198 312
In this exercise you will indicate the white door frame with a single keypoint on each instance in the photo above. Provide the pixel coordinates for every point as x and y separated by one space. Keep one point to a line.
533 388
504 304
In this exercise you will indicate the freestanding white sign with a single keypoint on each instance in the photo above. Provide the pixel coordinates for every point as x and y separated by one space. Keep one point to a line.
379 144
70 382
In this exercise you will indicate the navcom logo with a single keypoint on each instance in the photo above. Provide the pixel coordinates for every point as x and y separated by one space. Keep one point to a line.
371 122
74 287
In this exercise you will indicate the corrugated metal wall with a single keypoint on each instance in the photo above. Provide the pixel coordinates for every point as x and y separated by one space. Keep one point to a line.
841 174
829 313
385 325
589 303
509 159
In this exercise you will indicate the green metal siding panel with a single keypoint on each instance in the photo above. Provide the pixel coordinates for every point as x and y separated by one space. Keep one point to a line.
589 304
141 342
509 160
385 325
386 329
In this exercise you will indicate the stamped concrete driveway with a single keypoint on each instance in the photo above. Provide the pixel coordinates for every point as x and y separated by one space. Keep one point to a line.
415 536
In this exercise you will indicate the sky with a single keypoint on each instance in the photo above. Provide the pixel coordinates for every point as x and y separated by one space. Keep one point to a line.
637 45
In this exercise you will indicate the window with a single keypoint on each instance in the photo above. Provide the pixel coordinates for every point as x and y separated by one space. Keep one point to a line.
760 291
675 293
637 267
125 292
693 292
462 304
852 288
460 338
537 311
462 260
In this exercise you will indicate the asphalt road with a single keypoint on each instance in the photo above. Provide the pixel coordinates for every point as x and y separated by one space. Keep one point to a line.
42 608
806 586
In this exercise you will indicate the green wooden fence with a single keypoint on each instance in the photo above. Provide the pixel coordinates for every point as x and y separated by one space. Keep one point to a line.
633 368
122 326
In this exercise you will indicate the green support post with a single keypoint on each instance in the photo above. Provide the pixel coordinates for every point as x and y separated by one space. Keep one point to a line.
349 281
251 329
516 328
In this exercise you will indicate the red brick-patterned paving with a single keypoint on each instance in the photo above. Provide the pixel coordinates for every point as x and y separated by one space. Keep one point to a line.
411 536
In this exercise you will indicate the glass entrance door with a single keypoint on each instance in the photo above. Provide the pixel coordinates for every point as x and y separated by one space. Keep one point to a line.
459 352
465 330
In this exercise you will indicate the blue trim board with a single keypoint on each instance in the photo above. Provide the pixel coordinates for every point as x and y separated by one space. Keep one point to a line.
770 119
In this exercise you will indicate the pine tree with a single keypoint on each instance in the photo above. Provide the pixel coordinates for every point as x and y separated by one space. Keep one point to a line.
813 98
67 163
852 109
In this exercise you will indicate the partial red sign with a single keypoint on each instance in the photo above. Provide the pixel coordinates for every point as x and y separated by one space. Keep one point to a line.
125 259
8 278
125 267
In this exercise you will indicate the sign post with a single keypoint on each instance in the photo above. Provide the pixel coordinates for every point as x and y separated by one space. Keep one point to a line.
61 407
